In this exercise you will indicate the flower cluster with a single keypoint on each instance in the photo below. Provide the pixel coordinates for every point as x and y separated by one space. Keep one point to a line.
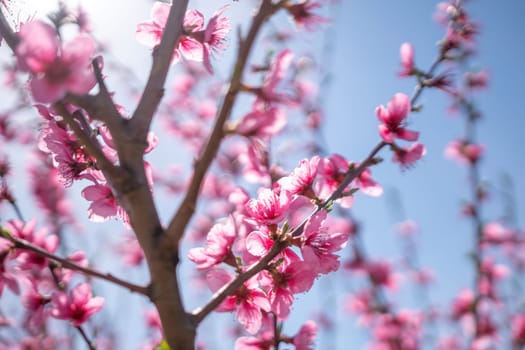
271 219
42 283
197 43
55 68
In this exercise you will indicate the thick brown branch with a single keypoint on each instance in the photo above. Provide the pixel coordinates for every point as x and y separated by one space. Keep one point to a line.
101 106
162 54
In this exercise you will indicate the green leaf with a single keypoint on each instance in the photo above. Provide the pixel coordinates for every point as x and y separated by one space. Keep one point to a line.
163 346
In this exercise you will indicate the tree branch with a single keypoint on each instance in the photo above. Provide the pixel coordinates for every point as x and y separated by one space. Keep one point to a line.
91 345
92 147
184 213
200 313
162 54
7 33
23 244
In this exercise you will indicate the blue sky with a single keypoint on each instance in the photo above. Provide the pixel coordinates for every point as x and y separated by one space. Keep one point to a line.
366 40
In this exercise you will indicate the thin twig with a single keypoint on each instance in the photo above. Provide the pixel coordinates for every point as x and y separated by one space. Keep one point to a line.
420 86
91 145
17 210
89 343
23 244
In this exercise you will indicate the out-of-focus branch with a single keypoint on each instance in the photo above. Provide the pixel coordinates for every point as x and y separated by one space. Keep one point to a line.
178 224
23 244
7 32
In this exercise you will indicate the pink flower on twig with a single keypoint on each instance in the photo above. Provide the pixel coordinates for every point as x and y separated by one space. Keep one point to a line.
270 207
319 246
57 69
303 16
304 339
149 33
77 306
408 156
406 53
464 152
218 246
197 43
300 181
393 118
214 36
249 300
288 279
104 204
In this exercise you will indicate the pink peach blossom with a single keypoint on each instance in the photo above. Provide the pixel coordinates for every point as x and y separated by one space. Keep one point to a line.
254 160
393 119
406 53
104 204
149 33
319 247
130 250
464 151
249 300
477 81
368 185
35 303
68 157
331 173
300 181
449 343
518 329
380 273
291 277
261 342
303 16
262 122
50 196
268 92
408 156
270 207
77 305
463 304
40 238
218 246
496 233
304 339
57 69
8 276
214 36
